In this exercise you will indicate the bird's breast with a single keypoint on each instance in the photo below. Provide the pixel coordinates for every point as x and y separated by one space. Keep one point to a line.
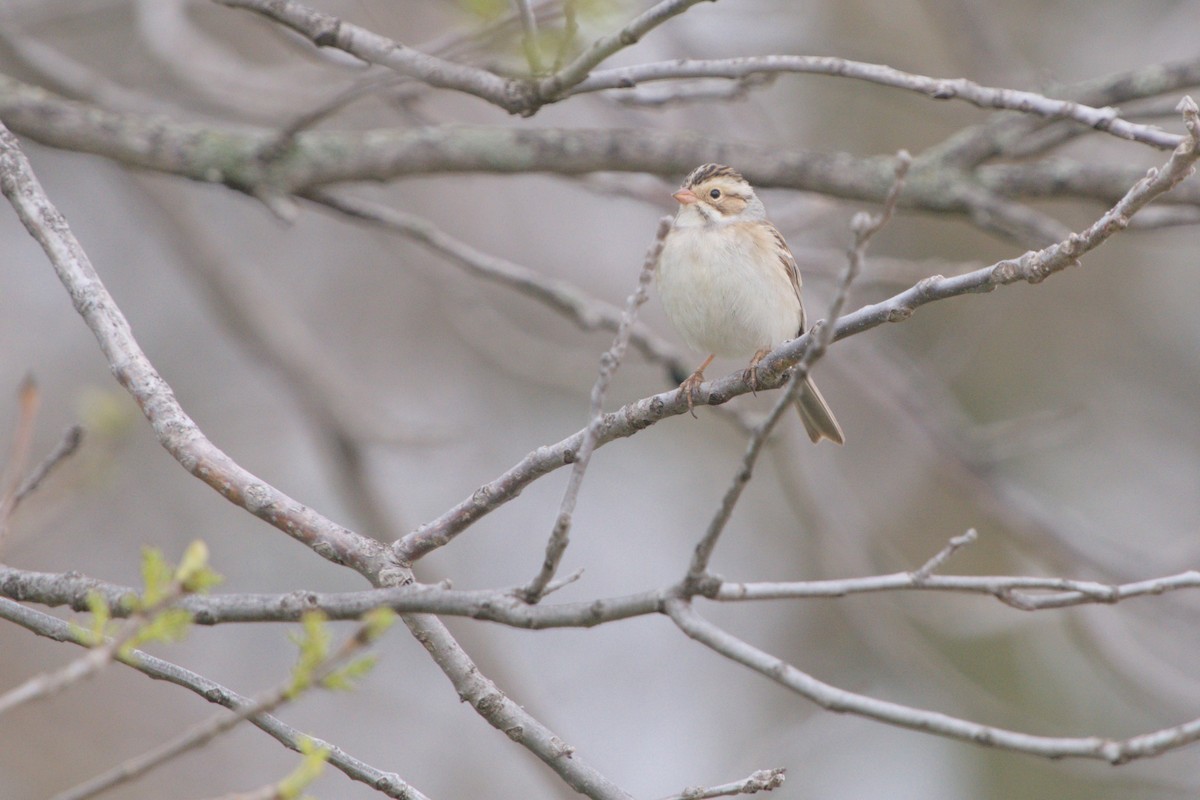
726 291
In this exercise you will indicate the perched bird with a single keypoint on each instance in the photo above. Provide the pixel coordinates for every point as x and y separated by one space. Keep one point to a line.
730 286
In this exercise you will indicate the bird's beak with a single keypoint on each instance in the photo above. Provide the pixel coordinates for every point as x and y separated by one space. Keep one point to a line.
686 197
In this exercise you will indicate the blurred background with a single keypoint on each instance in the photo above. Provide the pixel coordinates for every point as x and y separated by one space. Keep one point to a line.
1059 420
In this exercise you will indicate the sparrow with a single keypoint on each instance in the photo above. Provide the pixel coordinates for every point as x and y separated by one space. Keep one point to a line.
730 286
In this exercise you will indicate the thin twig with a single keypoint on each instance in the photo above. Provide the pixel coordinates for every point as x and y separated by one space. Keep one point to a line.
1102 119
958 542
67 445
764 780
702 553
609 363
693 92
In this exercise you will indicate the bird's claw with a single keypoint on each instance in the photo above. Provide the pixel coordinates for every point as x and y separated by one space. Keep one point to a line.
691 390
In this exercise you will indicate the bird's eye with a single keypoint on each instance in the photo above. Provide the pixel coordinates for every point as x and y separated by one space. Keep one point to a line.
714 194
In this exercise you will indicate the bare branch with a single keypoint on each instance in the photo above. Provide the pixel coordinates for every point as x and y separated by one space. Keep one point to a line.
175 430
514 96
1101 119
834 699
1010 135
504 715
1026 593
957 543
609 363
234 157
765 780
702 553
71 439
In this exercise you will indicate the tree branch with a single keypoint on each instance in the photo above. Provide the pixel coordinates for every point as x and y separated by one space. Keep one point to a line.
765 780
505 715
1026 593
234 156
844 702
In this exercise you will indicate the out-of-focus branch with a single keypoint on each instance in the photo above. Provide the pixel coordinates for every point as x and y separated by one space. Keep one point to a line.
234 156
12 472
587 313
529 39
389 783
1068 177
1013 135
175 430
67 445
